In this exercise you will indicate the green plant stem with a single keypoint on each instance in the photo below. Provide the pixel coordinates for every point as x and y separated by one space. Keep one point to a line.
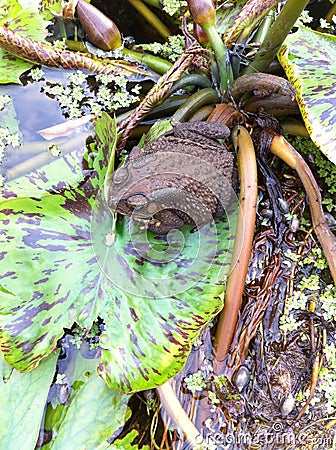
203 97
151 18
264 27
112 152
276 35
160 65
62 29
220 53
191 80
155 3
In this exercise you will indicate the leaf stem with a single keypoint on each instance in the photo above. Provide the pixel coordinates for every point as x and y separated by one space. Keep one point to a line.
62 29
281 148
151 18
220 53
160 65
203 97
242 246
276 35
155 3
176 412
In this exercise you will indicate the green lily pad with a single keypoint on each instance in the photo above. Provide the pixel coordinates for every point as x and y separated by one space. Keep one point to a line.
63 261
82 411
22 402
25 19
309 60
50 8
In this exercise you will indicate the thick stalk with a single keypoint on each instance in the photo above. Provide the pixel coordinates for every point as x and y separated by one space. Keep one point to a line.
295 127
157 64
264 27
62 29
151 18
203 97
242 246
220 53
190 81
155 3
176 412
276 35
281 148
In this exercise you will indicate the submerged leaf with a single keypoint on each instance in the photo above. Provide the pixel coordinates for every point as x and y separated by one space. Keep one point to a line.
308 58
65 128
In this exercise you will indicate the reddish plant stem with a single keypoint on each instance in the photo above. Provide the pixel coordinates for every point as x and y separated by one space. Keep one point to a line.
242 247
281 148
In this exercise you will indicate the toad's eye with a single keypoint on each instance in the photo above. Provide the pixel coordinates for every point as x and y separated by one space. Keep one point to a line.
120 175
136 200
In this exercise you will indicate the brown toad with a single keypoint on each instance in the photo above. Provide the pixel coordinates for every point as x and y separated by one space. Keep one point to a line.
182 177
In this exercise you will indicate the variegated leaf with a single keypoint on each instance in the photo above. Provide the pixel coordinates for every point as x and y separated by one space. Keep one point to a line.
62 261
308 58
24 19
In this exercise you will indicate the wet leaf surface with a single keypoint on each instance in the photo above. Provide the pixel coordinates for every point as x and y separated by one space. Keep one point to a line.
82 411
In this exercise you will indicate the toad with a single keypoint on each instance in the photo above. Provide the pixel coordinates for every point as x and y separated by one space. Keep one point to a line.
182 177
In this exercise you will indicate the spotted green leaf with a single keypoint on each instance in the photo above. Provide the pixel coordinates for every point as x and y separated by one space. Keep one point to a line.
24 18
51 8
63 261
308 58
164 293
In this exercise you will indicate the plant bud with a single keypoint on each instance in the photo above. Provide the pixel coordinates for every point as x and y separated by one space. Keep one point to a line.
200 35
203 11
100 30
